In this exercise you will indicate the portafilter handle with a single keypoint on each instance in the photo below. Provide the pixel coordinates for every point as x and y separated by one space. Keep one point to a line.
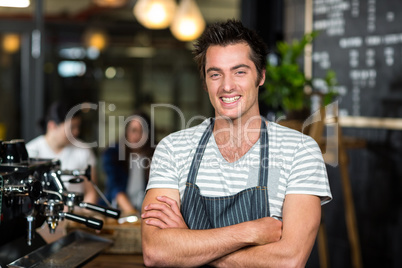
88 221
109 212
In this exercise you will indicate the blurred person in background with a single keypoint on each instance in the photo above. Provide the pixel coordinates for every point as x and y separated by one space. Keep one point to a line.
56 144
126 165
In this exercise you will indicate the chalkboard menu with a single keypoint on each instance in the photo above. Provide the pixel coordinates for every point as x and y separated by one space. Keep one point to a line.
361 40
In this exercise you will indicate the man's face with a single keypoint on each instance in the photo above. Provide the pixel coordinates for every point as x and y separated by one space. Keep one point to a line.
231 79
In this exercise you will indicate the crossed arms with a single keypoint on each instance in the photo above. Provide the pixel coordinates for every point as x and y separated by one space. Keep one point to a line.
267 242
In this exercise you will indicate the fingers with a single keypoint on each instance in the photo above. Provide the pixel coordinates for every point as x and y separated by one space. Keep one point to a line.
163 215
265 230
168 206
160 212
158 219
172 203
160 207
156 223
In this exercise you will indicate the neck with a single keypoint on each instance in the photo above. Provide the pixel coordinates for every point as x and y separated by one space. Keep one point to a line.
237 133
53 144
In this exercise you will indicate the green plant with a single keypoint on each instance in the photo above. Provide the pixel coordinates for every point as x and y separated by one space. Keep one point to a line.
285 82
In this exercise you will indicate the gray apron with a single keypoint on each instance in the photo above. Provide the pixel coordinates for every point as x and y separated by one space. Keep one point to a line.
203 212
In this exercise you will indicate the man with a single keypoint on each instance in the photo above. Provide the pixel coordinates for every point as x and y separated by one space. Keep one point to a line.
55 143
235 190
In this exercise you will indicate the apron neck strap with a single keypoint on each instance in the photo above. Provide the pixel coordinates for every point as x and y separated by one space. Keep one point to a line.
200 152
264 154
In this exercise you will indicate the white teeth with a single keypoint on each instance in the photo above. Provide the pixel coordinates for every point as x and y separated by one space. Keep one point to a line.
230 100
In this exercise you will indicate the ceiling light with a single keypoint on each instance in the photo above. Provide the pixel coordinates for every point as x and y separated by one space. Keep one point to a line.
15 3
188 23
109 3
96 38
155 14
11 43
71 68
110 72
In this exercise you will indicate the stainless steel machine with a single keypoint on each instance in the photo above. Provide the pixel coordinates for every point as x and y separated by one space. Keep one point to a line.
32 192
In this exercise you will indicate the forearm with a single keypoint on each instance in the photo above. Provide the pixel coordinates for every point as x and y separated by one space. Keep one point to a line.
277 254
90 196
124 203
167 241
301 219
185 247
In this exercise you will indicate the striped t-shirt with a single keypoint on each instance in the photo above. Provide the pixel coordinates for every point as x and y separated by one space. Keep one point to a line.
296 166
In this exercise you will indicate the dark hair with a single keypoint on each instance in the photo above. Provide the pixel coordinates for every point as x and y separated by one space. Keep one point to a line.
145 119
57 112
146 149
229 33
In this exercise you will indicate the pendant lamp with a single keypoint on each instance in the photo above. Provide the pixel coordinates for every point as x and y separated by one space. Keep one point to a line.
155 14
14 3
11 43
96 38
188 23
109 3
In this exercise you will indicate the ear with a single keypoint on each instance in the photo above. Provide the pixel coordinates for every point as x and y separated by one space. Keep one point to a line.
204 85
51 125
262 78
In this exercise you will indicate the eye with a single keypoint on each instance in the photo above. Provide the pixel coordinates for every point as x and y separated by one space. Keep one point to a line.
214 75
241 72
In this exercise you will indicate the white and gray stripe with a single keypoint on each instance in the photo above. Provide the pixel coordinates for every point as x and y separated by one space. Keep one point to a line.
295 166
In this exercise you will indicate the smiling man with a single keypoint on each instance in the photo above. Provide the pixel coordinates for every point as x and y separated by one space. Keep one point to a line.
235 190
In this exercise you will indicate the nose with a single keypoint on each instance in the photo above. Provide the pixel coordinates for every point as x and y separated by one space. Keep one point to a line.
228 84
75 131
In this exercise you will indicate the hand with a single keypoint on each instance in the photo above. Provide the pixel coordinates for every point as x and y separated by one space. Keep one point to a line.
262 232
266 230
164 215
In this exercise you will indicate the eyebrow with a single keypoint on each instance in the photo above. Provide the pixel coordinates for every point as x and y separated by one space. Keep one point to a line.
212 69
232 68
240 66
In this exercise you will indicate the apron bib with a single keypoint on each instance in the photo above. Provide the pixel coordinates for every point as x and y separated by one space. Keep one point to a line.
203 212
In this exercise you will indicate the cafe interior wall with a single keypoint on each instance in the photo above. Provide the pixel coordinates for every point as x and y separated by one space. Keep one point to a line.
9 96
120 82
375 181
149 65
138 69
164 73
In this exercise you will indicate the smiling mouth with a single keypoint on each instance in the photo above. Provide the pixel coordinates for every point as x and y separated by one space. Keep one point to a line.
230 100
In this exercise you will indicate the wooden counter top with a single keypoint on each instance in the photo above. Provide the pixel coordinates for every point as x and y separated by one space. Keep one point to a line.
371 122
116 260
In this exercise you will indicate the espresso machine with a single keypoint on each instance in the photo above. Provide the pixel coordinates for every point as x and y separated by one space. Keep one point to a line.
32 193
